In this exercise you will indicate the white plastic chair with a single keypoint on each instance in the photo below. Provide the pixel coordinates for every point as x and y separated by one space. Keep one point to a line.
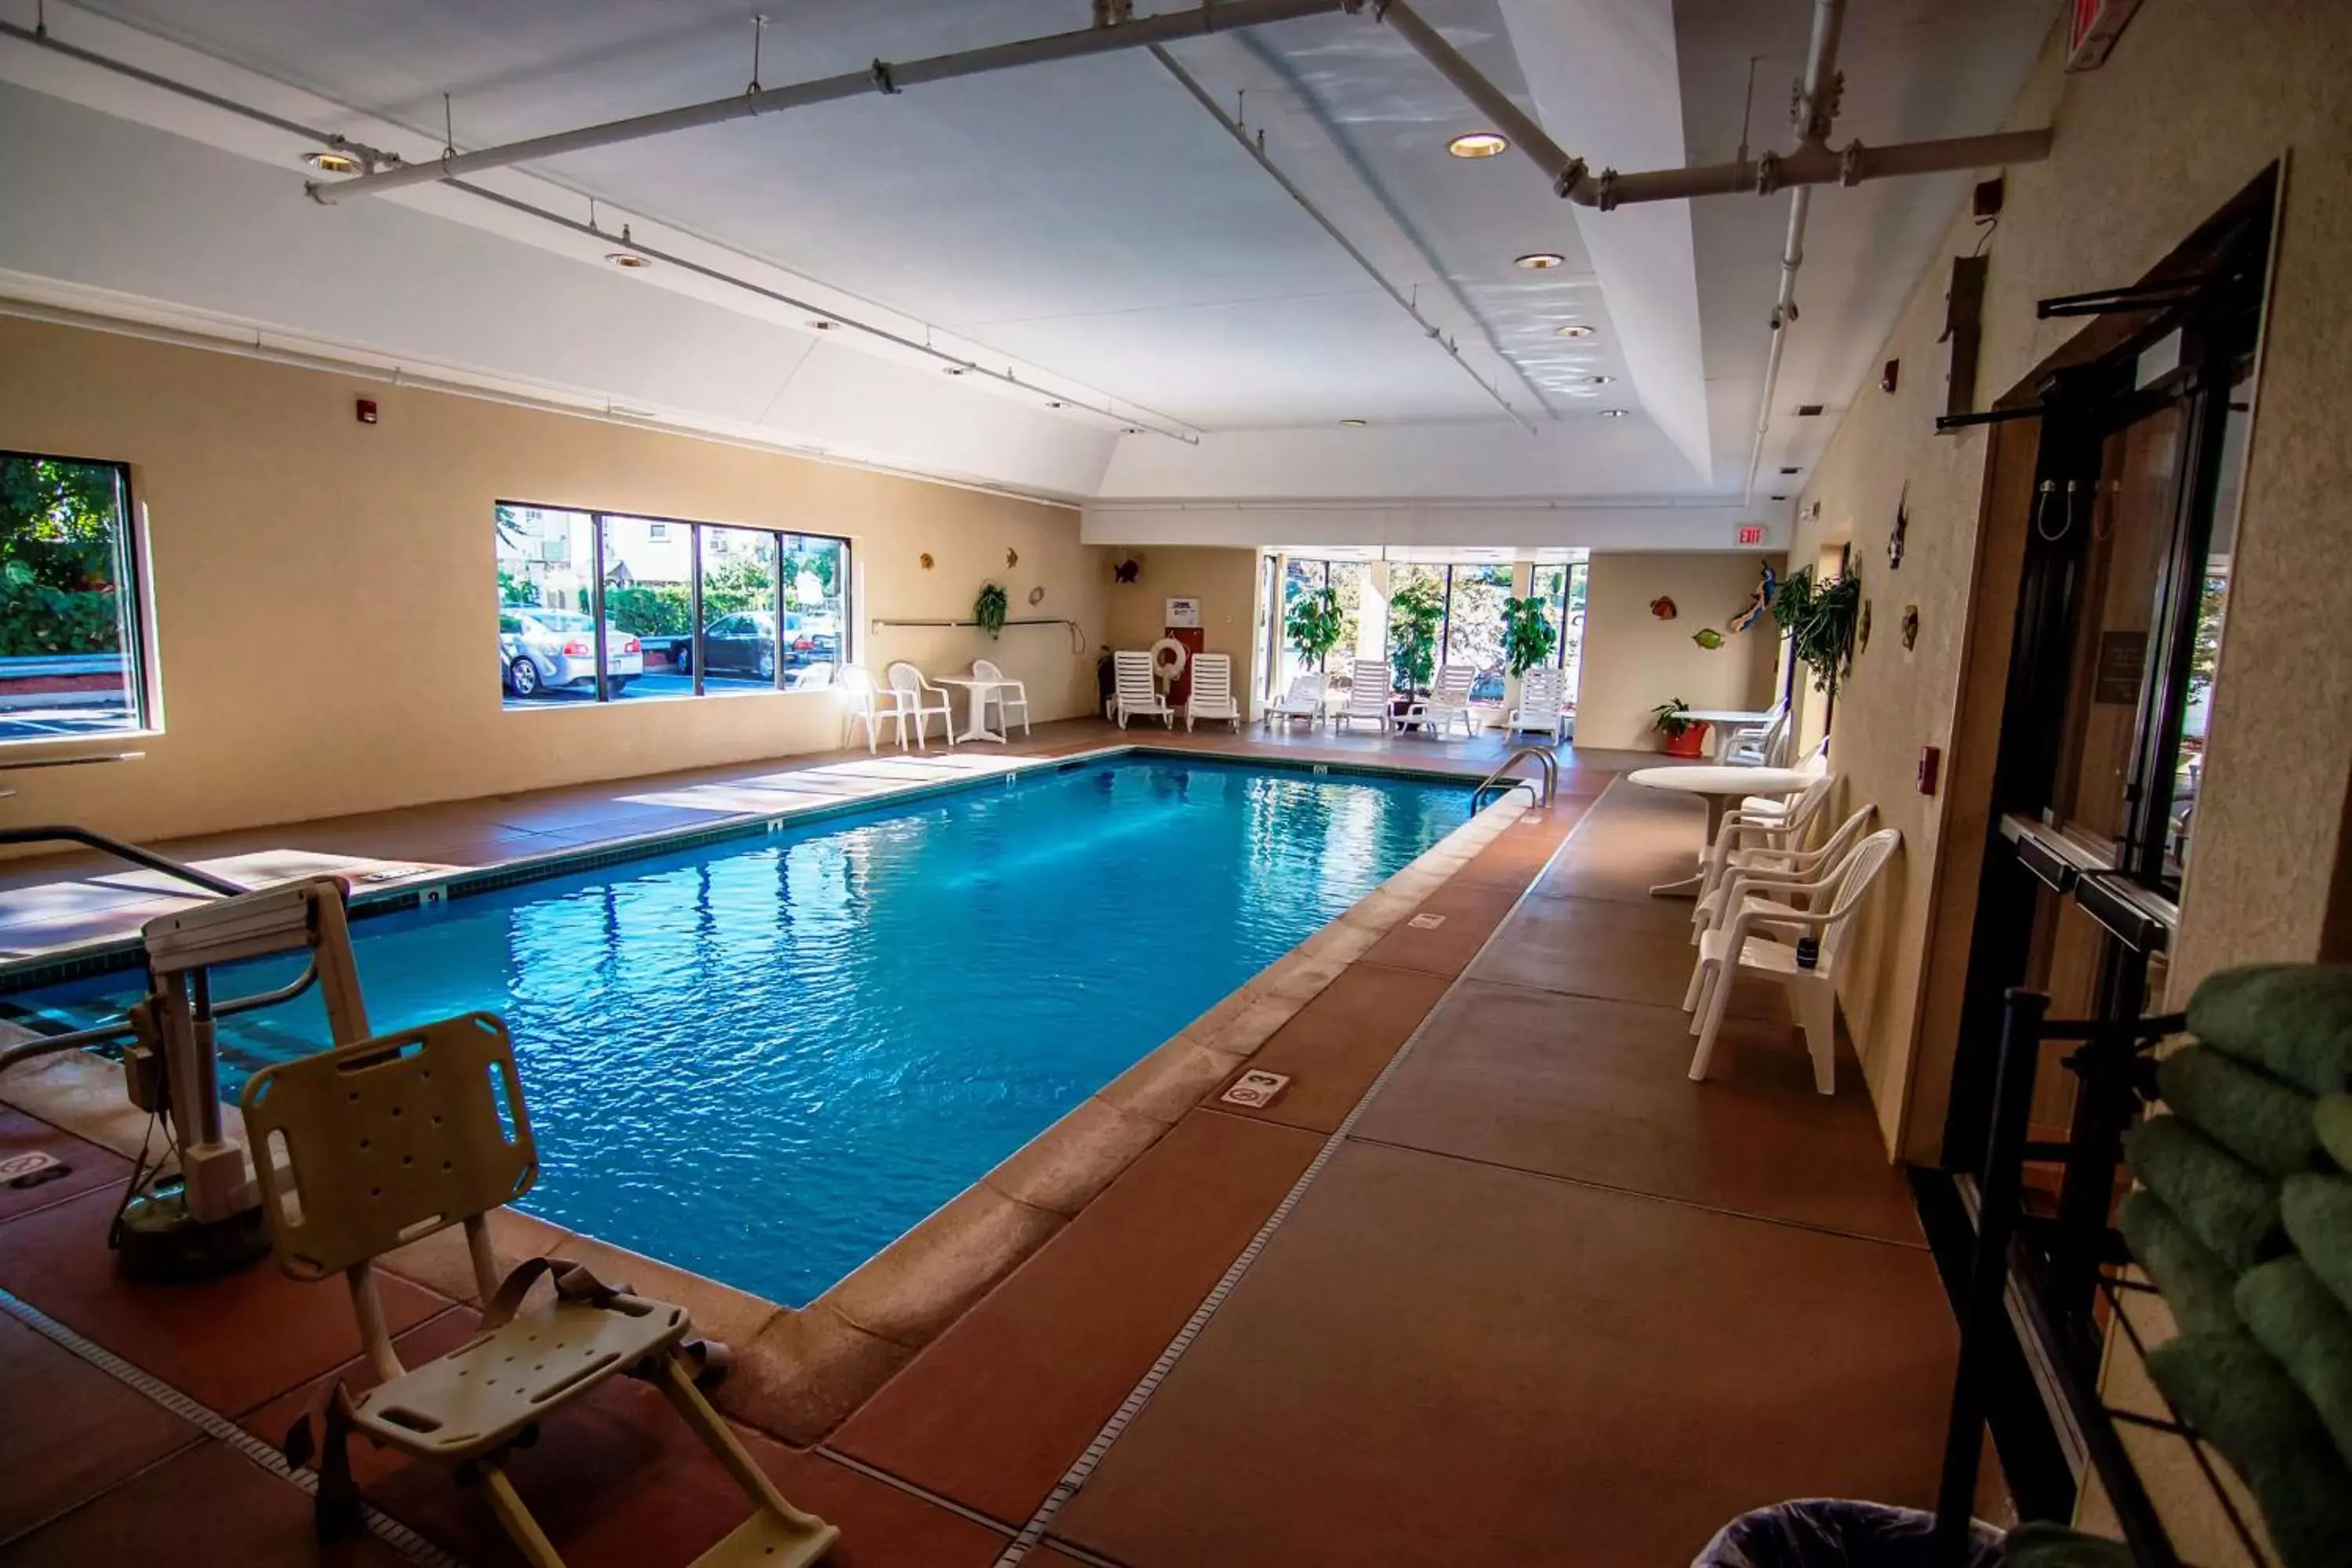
1009 698
1542 697
1449 698
1763 823
1368 696
1763 869
1762 938
1212 690
864 702
1303 701
1754 745
918 701
1137 692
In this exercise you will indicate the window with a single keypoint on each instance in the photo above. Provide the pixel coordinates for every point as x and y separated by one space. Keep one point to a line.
1561 587
1346 580
597 606
1448 614
69 601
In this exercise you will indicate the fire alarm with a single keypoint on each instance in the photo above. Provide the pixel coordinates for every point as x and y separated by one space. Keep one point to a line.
366 410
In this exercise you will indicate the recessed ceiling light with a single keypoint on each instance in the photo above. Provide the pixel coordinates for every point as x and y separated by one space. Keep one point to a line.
1131 431
1573 330
820 325
1792 470
1540 260
332 163
955 370
630 259
1779 498
1052 402
1612 413
1598 380
1355 421
1479 144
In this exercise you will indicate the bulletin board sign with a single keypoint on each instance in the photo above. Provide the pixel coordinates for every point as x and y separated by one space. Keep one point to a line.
1183 612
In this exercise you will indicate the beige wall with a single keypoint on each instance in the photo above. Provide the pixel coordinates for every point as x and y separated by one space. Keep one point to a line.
326 608
1634 661
1224 580
2198 96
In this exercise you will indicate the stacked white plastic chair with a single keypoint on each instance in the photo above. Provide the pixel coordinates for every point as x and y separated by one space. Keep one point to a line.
1761 936
1009 697
1449 699
1759 745
1368 696
1767 866
1543 694
1303 701
918 700
1212 695
1136 693
1764 824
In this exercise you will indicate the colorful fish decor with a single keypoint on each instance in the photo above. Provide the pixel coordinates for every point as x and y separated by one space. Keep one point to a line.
1663 608
1757 602
1708 638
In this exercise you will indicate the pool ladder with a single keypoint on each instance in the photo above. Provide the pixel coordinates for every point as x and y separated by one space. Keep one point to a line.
1495 779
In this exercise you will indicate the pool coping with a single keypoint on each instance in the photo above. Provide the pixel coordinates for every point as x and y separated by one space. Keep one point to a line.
798 1372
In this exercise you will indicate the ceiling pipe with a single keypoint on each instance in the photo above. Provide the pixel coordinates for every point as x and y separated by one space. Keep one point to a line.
1257 153
1815 111
882 77
1811 163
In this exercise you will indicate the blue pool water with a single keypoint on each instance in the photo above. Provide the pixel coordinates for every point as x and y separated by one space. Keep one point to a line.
764 1060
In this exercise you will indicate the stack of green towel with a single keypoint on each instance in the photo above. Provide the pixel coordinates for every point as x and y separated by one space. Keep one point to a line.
2244 1220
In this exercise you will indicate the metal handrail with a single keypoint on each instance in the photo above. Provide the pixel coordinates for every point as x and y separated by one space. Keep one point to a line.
1550 776
120 1029
70 833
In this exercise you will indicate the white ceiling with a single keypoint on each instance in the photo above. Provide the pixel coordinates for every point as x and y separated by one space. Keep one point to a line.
1085 227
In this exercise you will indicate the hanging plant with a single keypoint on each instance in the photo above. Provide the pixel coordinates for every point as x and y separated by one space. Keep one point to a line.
1315 625
1820 623
1528 637
989 609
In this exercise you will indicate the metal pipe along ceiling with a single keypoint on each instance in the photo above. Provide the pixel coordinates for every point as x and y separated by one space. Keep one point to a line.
882 77
1241 136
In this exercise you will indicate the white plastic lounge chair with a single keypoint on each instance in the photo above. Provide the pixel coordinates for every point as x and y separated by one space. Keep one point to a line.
1368 696
918 701
1448 699
1541 692
863 702
1761 937
1009 698
1303 701
1212 690
1762 870
1137 693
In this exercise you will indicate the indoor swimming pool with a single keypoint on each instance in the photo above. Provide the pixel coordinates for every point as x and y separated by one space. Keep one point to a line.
765 1059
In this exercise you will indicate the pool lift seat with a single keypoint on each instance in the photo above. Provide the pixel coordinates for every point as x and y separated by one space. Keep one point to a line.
374 1144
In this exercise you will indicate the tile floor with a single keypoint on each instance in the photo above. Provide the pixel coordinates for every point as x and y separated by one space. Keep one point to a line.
1546 1300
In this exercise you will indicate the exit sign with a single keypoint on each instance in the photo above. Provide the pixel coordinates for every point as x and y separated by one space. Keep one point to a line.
1752 534
2091 28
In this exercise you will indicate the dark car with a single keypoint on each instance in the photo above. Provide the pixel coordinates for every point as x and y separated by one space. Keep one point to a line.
741 644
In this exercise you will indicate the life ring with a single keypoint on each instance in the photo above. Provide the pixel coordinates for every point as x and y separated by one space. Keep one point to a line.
1168 660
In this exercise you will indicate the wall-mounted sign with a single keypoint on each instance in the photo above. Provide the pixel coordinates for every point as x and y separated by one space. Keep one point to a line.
1183 612
2123 664
1752 534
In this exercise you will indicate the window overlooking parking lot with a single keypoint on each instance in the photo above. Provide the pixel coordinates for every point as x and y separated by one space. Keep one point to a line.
69 602
598 606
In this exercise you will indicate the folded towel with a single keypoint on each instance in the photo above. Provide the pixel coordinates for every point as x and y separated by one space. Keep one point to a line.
2040 1545
2331 1124
2317 1215
2293 1018
2196 1285
2299 1321
2264 1122
2228 1205
2246 1405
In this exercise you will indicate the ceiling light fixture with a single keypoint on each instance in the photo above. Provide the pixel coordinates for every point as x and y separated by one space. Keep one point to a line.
820 325
630 259
1598 380
1540 260
1573 330
1355 421
1479 144
955 370
1612 413
332 163
1052 402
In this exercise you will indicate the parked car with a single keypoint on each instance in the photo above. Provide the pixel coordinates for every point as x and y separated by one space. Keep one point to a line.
741 644
546 650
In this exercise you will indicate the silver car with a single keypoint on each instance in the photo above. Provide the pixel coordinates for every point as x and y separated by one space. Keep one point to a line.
547 650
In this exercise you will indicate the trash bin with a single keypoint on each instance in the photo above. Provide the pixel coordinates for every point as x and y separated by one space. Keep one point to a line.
1832 1532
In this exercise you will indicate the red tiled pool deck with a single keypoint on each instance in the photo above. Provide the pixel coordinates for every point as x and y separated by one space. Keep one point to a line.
1543 1300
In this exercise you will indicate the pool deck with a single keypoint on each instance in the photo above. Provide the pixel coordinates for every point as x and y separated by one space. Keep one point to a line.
1490 1282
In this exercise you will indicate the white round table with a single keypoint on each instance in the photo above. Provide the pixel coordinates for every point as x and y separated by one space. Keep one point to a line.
981 690
1718 787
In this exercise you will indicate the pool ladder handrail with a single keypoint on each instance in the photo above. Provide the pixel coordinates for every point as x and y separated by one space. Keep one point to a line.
1550 777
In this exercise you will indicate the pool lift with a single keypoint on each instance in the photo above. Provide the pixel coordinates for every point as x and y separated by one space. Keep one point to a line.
200 1214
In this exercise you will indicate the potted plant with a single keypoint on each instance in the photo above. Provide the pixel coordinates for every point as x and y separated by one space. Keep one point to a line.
1315 625
1527 634
1819 621
989 609
1415 612
1683 736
